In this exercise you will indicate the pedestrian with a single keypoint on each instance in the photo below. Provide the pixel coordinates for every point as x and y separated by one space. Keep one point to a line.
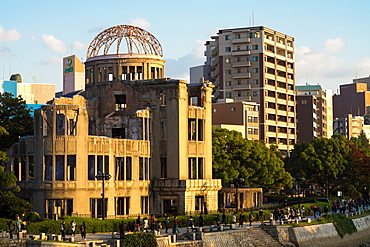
223 219
145 224
152 222
83 230
251 218
326 209
303 210
218 220
201 220
271 217
73 228
11 228
63 229
241 219
166 223
158 227
175 229
262 216
122 229
191 223
233 219
137 223
18 224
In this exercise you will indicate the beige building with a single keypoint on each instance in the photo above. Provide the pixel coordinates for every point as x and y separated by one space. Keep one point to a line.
73 74
257 64
352 126
151 134
240 116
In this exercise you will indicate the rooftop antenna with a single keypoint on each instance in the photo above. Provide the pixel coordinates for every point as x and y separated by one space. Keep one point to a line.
35 79
306 76
249 20
252 18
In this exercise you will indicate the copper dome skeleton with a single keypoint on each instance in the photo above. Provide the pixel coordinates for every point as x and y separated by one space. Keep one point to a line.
143 41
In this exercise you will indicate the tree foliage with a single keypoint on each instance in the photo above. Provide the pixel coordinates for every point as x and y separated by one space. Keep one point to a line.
236 157
320 161
15 118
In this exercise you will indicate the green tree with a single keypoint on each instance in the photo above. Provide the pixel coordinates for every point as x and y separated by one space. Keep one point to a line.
15 118
236 157
319 161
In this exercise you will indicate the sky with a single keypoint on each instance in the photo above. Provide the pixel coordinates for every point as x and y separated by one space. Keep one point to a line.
331 37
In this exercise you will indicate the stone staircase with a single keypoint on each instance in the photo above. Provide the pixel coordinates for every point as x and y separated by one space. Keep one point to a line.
259 237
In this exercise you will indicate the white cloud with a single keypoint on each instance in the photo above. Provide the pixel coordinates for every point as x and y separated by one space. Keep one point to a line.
52 61
53 43
8 36
334 45
139 22
179 68
198 51
5 51
313 66
78 45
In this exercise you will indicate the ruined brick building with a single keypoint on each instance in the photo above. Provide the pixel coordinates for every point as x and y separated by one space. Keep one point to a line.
151 134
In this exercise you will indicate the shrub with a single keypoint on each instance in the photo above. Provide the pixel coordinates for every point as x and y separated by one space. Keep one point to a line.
140 239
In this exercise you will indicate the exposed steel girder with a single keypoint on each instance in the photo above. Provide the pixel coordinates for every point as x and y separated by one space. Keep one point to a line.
136 38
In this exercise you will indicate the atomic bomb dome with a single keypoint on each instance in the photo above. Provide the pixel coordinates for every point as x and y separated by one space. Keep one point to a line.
135 37
142 59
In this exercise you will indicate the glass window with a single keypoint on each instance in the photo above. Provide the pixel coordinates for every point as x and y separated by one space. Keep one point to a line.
228 83
227 49
227 37
255 59
254 47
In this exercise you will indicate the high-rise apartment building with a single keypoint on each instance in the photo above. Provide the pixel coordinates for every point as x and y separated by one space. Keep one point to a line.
257 64
240 116
312 112
353 99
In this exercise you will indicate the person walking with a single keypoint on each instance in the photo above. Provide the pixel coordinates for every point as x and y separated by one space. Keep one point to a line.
11 228
122 229
251 218
83 230
137 223
241 220
271 218
233 219
18 224
145 224
262 216
175 229
201 220
218 220
166 223
63 229
223 219
73 228
191 223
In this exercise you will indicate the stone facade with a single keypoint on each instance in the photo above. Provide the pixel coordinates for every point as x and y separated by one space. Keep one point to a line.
152 136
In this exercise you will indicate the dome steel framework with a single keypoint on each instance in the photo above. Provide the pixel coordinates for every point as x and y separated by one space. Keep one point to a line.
143 41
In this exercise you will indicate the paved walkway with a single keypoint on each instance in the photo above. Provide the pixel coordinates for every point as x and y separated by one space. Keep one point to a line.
108 235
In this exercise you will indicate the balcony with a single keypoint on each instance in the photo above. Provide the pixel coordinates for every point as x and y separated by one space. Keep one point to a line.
241 52
242 87
242 75
215 73
241 40
242 64
269 41
214 62
215 51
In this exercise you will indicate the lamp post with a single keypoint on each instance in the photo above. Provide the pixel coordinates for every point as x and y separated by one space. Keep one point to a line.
237 183
300 181
103 177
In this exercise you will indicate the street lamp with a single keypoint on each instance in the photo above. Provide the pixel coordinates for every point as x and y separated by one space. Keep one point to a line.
299 180
103 177
237 183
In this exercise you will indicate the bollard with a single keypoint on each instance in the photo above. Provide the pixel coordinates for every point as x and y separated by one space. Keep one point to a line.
173 238
20 235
